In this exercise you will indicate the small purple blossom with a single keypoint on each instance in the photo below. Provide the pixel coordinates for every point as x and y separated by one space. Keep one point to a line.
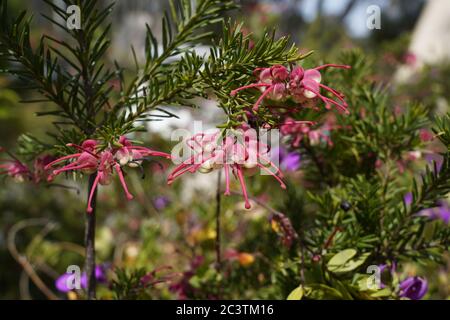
289 161
408 198
61 282
435 158
161 202
413 288
442 212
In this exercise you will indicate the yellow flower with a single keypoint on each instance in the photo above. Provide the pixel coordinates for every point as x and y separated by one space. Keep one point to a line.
275 226
72 295
246 259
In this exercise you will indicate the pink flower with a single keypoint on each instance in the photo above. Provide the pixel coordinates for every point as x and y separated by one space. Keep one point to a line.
425 135
277 83
40 173
410 59
14 168
107 162
296 129
20 171
134 155
306 84
212 151
86 161
272 82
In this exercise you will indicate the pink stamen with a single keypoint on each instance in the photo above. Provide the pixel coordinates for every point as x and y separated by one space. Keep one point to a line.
253 85
243 187
70 156
328 100
150 152
81 149
335 93
91 195
260 99
72 166
122 181
330 65
283 186
278 171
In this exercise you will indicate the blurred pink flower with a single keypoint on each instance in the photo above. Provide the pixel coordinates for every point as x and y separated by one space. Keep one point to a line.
14 168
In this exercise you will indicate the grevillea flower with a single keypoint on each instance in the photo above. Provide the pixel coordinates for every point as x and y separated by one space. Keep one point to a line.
133 156
14 168
272 82
20 172
277 83
90 160
40 173
298 130
212 151
413 288
307 84
442 212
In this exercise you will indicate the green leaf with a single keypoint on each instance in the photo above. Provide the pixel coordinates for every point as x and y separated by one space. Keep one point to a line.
386 292
321 291
343 262
296 294
341 258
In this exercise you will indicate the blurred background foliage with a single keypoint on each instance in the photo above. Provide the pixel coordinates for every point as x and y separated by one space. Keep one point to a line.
167 234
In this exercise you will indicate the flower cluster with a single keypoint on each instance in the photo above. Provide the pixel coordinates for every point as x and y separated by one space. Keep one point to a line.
20 172
277 83
238 156
91 159
299 130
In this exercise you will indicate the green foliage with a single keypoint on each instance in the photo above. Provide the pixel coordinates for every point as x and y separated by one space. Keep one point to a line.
345 207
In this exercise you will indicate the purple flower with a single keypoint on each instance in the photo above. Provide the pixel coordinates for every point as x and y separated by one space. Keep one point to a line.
434 157
413 288
385 267
161 202
289 161
61 282
408 198
442 212
100 276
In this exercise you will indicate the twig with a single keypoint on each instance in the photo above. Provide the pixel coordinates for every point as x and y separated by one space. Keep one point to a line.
22 260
